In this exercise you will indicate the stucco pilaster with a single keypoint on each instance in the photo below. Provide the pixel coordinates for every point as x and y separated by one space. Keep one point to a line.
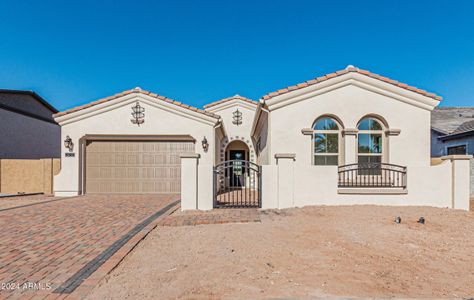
350 146
285 179
189 181
460 183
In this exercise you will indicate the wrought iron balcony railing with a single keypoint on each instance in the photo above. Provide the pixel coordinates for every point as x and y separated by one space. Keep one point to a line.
372 175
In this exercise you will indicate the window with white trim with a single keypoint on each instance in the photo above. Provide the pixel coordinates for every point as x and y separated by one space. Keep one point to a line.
369 141
326 142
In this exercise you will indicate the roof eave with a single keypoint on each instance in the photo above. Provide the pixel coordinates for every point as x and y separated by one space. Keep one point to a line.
351 69
70 116
456 135
34 95
220 102
311 90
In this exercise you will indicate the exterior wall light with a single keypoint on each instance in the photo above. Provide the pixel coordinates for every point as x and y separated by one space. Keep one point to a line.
237 116
138 114
205 144
68 143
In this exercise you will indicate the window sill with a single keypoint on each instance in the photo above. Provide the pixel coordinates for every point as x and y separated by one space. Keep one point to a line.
373 191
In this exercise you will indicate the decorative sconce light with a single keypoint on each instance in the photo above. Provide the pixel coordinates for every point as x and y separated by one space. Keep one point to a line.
68 143
205 144
138 114
237 116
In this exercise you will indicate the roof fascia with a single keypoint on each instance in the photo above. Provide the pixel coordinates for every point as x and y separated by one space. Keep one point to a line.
231 103
456 135
37 97
127 99
355 79
260 109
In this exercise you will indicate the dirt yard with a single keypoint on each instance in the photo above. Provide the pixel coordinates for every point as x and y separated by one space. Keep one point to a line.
356 251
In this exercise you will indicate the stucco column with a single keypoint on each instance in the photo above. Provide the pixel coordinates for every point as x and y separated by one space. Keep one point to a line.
189 181
269 186
285 179
205 187
350 146
460 180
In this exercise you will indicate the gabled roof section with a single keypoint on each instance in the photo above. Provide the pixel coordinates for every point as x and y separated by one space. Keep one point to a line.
235 97
348 70
449 119
136 91
34 95
439 130
464 127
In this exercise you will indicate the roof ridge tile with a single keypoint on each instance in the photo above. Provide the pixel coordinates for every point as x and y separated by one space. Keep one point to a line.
237 96
136 91
351 68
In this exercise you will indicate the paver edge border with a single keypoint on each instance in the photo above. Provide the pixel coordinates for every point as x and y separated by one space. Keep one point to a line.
114 261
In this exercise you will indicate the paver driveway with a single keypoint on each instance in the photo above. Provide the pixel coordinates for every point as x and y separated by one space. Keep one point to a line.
57 244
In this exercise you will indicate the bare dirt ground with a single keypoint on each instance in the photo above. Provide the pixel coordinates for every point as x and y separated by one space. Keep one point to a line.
345 251
9 202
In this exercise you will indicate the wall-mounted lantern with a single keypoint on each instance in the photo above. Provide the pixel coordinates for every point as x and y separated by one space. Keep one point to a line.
205 144
138 114
68 144
237 116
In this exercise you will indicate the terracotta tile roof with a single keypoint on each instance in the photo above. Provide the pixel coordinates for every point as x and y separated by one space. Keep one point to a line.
229 99
136 91
345 71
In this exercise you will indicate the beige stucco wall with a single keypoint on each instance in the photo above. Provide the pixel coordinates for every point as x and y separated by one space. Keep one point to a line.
350 104
114 118
261 132
294 181
288 184
235 132
28 175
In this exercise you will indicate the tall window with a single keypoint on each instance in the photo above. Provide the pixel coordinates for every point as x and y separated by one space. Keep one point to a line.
370 141
326 142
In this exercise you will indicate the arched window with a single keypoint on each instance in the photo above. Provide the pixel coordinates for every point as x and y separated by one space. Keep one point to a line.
370 141
326 142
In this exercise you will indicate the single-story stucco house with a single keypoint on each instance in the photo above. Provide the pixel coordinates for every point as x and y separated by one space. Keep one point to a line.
27 128
349 137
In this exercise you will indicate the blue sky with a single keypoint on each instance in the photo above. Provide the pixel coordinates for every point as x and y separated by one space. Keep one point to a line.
73 52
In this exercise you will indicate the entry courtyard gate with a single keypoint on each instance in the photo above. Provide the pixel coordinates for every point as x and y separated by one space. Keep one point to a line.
237 184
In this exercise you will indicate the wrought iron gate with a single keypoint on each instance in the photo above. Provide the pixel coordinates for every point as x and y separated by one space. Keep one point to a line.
237 184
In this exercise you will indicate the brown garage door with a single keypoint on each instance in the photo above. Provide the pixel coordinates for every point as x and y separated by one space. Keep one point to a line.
125 167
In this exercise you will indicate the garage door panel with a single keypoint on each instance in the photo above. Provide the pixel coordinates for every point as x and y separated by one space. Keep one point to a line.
134 166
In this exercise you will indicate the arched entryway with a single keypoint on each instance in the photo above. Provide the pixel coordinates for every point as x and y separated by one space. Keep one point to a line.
237 153
237 150
237 179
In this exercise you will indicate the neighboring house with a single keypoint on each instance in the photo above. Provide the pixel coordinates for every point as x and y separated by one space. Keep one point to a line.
452 132
27 128
349 137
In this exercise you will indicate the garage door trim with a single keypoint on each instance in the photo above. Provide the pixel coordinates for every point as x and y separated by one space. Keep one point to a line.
161 138
115 137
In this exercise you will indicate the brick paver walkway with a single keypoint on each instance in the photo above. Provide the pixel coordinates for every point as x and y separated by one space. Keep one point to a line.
10 202
55 244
